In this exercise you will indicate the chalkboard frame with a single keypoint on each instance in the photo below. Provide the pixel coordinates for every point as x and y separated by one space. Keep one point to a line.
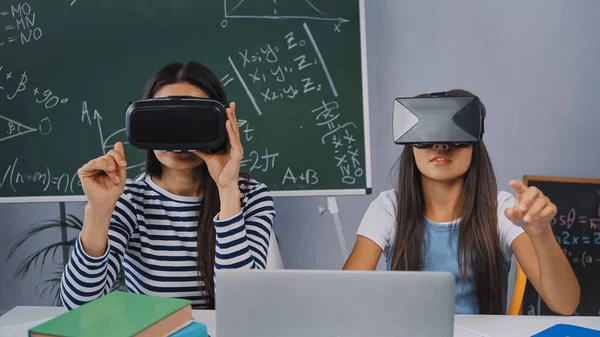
278 193
556 179
553 179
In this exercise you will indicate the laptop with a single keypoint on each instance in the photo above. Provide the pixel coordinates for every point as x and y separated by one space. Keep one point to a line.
334 303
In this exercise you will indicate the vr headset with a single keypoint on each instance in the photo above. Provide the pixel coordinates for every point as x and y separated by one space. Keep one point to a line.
440 119
177 124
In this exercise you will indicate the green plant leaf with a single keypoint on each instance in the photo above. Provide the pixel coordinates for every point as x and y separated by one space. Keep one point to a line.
71 222
52 285
37 257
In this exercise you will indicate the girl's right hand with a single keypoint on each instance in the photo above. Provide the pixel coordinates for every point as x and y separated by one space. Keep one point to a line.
103 178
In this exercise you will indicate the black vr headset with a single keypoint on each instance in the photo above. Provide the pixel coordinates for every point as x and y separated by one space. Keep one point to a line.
178 124
437 119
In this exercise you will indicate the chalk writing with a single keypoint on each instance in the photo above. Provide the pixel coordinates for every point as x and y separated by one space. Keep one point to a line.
342 138
584 258
45 97
283 72
23 29
308 177
572 218
291 92
226 80
292 42
323 65
106 142
245 128
21 87
257 161
45 179
263 54
272 75
304 10
10 128
49 100
566 238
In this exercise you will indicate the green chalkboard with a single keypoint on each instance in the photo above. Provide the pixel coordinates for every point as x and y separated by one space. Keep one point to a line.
295 68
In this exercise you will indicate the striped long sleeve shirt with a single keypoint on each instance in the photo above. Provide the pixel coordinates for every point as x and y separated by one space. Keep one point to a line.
153 237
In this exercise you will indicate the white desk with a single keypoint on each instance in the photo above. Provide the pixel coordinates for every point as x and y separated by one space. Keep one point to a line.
483 325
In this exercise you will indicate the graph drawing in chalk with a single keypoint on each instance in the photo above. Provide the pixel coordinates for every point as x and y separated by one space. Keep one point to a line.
11 129
276 10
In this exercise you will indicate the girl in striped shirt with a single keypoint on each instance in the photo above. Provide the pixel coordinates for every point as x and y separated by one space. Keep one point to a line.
173 227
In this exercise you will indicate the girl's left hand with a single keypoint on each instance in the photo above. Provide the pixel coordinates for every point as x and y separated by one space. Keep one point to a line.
224 168
533 210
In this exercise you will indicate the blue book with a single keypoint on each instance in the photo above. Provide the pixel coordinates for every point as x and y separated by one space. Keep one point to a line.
567 330
193 329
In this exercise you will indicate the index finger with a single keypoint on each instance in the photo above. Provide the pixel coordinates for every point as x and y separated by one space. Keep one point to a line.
518 186
119 148
234 124
231 115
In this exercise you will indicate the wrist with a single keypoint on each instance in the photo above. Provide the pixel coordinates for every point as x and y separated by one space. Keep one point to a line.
94 234
229 189
230 202
99 210
539 235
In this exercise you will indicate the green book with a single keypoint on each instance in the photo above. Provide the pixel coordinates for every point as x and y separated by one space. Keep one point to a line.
120 314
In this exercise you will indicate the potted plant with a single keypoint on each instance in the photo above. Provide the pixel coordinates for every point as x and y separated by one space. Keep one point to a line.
40 257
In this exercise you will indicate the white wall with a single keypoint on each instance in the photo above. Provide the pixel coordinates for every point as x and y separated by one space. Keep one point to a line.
527 60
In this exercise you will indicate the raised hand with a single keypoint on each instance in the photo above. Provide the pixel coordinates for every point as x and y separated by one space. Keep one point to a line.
224 168
533 210
103 178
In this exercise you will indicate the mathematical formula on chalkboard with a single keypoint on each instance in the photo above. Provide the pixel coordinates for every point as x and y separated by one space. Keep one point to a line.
289 77
576 228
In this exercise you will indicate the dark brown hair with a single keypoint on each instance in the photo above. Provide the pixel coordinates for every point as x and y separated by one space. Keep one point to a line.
201 77
479 243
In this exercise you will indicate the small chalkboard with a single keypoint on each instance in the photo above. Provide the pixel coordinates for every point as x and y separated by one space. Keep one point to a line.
576 227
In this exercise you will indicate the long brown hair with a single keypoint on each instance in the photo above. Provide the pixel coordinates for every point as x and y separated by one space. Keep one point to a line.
479 242
200 76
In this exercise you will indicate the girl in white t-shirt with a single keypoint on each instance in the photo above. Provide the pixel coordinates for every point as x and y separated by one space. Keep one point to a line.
446 210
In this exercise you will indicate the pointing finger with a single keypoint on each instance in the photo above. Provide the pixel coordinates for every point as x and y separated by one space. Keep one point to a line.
518 186
119 148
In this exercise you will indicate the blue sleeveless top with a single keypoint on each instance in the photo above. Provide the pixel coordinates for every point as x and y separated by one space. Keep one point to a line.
441 254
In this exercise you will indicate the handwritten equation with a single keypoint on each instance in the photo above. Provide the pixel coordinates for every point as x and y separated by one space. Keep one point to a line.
19 23
43 96
282 73
12 177
341 136
585 258
259 161
308 177
277 71
571 218
566 238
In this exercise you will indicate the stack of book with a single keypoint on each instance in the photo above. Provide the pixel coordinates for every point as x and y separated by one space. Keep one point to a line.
125 314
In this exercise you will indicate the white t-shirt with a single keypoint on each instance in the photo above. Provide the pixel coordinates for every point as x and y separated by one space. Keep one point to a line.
379 222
